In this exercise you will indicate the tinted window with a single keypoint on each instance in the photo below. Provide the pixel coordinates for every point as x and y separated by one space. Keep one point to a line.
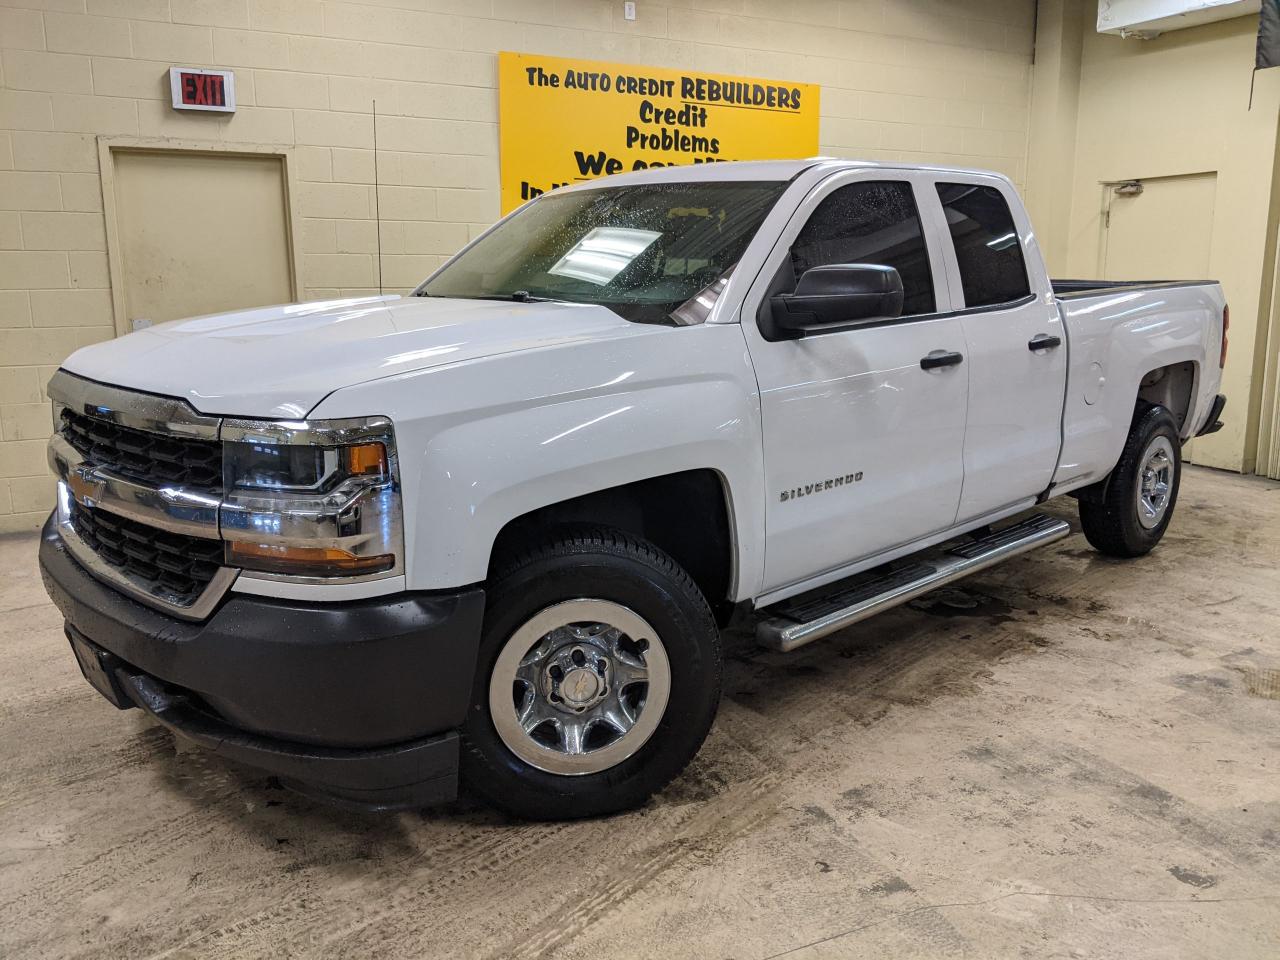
870 223
986 241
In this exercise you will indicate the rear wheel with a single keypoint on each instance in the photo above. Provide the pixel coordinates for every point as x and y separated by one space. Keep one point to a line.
597 681
1134 511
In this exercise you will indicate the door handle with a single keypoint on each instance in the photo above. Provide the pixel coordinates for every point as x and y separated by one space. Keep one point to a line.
941 358
1044 341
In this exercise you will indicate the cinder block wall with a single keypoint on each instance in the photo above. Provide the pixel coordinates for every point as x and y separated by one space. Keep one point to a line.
914 80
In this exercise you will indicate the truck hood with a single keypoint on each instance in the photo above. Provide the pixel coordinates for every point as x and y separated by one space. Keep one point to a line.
281 361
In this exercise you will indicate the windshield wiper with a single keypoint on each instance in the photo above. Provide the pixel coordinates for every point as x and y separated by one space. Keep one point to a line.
516 296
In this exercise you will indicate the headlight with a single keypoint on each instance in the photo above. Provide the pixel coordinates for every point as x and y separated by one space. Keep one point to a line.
290 467
312 500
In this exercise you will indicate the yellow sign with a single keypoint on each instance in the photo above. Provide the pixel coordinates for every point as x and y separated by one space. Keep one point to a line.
563 121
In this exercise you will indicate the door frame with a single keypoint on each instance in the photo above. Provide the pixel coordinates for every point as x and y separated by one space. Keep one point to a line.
108 147
1266 452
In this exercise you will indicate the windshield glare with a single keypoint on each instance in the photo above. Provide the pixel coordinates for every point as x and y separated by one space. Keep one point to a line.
642 251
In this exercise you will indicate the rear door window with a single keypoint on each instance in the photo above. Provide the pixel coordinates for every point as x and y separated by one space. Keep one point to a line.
870 222
988 250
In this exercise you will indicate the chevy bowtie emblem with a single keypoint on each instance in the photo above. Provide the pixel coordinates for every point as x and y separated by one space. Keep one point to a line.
85 486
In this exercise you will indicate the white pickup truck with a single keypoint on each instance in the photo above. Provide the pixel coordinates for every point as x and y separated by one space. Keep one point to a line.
491 531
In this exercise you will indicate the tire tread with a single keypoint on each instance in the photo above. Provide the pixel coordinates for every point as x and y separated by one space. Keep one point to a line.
1105 523
489 779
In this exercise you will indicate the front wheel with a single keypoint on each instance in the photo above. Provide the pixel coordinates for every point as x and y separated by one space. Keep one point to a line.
597 681
1135 510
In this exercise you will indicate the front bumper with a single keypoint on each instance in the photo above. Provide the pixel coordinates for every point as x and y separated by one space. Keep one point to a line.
357 700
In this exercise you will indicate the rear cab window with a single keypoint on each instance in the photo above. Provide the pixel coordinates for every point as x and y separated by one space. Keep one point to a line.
987 247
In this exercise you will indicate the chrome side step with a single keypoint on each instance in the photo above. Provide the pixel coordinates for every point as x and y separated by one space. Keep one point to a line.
806 618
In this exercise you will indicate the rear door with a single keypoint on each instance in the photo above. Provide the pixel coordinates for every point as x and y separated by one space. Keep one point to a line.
1016 348
862 446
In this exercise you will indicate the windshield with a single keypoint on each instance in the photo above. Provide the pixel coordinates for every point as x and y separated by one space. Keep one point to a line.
642 251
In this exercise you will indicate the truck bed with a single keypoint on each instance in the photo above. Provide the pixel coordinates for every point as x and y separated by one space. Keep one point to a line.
1067 289
1117 331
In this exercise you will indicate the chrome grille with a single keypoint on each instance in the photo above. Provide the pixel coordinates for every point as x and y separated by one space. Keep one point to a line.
171 565
139 486
144 456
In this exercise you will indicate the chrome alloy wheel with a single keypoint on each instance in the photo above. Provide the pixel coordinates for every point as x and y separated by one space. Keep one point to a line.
579 687
1155 482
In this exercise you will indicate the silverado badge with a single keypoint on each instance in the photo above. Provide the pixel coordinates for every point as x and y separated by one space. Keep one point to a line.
819 486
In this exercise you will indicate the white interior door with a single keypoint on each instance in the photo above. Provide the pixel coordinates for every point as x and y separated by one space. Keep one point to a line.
200 233
1162 233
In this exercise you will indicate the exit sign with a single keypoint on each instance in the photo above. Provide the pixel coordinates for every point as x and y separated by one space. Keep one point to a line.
194 89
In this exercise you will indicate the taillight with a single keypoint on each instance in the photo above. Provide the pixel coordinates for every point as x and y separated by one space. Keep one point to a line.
1226 325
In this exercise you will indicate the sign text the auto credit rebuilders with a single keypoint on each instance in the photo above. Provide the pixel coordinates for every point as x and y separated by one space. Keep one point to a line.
564 121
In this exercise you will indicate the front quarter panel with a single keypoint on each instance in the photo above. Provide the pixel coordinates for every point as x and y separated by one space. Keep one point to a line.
485 441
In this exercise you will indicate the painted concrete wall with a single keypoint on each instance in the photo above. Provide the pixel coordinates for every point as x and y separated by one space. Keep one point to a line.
1055 108
901 79
1178 104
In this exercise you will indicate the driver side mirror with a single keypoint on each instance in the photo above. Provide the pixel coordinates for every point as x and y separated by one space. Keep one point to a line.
835 297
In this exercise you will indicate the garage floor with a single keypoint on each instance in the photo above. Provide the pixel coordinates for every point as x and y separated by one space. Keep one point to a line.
1068 757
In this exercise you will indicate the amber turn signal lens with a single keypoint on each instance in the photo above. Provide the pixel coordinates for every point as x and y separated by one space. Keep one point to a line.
304 561
366 459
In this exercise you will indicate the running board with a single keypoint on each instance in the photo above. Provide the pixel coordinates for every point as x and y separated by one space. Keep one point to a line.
806 618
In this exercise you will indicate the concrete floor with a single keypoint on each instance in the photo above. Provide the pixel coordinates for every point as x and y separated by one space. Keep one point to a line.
1068 757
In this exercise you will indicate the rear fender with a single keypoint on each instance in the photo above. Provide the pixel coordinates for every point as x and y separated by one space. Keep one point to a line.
1116 340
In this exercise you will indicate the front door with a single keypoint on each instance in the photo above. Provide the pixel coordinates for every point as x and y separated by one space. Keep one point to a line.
1017 350
862 446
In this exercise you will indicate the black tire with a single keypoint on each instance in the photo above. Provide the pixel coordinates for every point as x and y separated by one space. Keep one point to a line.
608 565
1111 523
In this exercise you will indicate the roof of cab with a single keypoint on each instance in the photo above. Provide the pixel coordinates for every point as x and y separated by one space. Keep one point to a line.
722 170
757 170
